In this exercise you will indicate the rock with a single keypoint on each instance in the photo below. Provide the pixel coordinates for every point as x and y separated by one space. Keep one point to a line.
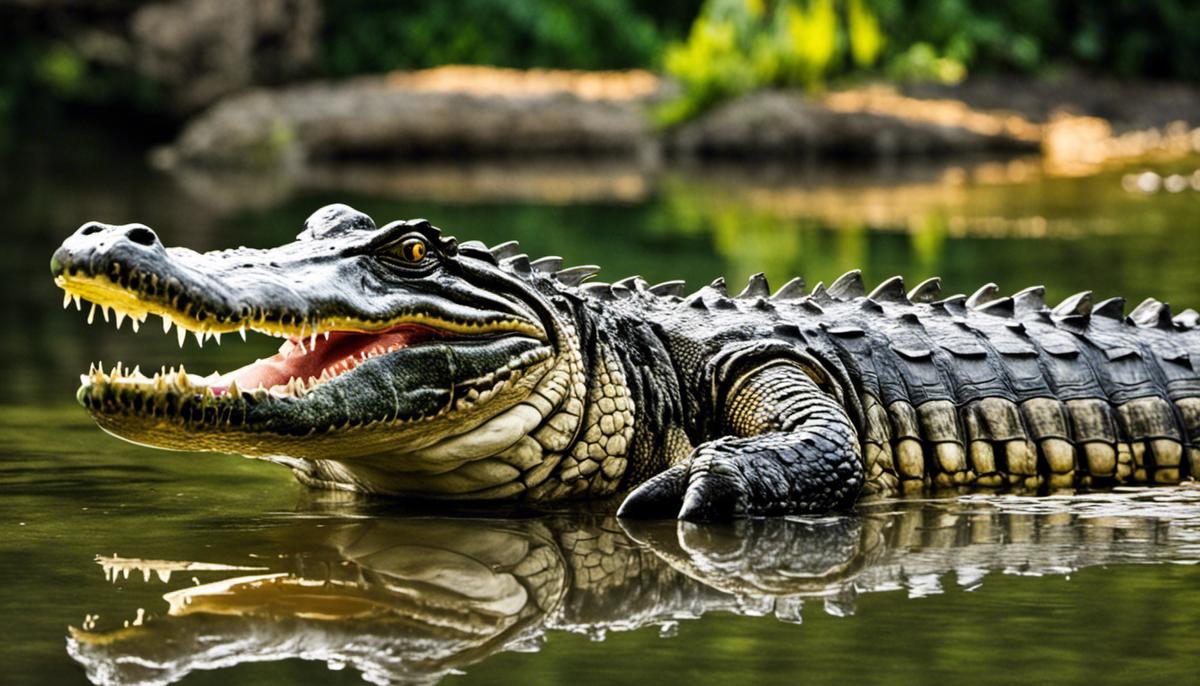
460 111
785 124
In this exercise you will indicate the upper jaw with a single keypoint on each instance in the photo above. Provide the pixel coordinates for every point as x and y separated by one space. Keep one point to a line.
277 292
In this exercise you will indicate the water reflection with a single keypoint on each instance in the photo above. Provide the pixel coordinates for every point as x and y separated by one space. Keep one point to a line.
413 599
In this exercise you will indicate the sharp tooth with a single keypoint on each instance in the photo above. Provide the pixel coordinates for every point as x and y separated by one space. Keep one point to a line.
233 391
137 371
312 342
120 319
326 335
104 310
160 382
181 378
312 381
116 371
300 342
78 306
217 336
242 332
181 334
92 313
167 321
66 300
199 338
133 321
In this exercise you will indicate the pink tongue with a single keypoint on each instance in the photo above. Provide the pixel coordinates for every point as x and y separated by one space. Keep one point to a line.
291 362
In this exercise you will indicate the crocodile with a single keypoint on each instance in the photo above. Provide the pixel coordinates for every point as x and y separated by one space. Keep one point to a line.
418 366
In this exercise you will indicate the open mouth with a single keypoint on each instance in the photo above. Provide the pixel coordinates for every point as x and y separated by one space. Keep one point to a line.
299 367
317 351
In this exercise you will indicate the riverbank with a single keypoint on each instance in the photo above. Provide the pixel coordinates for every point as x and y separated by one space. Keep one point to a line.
458 112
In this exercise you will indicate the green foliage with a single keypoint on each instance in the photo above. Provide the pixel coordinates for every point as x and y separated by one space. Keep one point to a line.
866 38
740 45
1126 38
921 62
62 70
374 36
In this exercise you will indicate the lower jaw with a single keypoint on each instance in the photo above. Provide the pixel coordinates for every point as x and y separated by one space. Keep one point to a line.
314 424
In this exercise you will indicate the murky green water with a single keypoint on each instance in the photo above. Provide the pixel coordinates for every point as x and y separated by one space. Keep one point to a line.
313 589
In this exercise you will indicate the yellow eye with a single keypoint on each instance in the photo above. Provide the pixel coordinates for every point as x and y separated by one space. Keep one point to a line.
413 250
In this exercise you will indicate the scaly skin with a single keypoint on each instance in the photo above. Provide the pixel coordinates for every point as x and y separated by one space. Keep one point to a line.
429 369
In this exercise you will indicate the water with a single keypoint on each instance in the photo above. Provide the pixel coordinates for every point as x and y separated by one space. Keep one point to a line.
1096 589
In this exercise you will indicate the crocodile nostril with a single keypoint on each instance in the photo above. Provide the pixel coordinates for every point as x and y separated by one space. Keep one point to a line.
142 236
91 229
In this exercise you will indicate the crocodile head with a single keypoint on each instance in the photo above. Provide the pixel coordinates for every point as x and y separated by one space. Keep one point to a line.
405 360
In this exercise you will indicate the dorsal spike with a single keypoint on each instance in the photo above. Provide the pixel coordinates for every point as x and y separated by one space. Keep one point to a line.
598 289
519 264
986 293
927 291
1152 313
955 304
718 285
634 283
869 305
1078 305
890 291
1000 307
1032 299
1113 308
620 290
848 286
791 289
695 301
756 287
724 302
505 250
477 250
1188 319
1144 309
573 276
820 294
669 288
547 265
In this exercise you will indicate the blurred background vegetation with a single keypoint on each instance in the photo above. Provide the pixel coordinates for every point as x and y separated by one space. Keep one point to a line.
88 86
76 53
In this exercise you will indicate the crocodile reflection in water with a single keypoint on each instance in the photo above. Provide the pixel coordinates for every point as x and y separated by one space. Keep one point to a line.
415 599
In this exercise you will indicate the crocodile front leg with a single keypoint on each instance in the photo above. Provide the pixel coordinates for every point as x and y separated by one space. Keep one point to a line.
789 449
